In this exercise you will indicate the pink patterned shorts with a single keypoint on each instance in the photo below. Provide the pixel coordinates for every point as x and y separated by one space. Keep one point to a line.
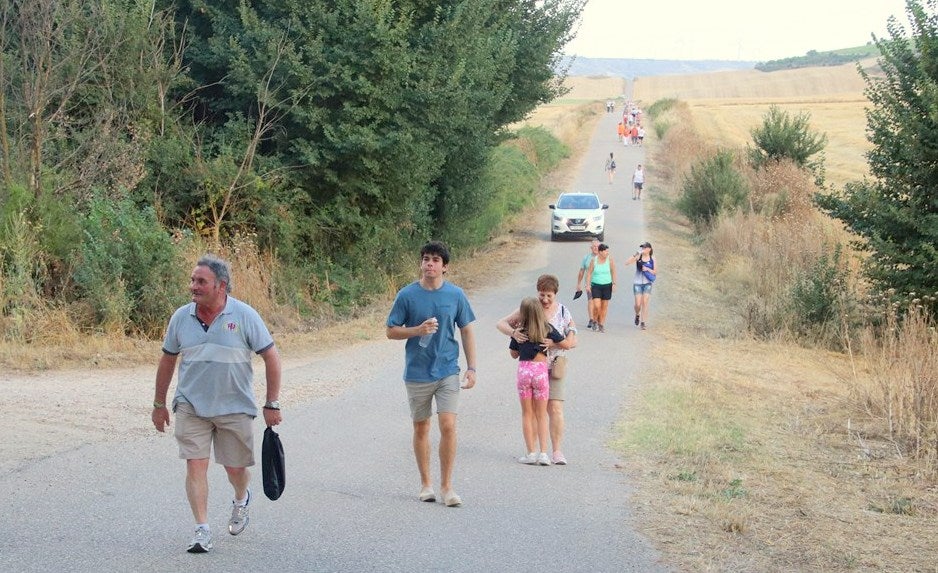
533 381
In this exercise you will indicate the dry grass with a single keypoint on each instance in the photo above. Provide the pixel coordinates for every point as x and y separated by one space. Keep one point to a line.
726 106
757 455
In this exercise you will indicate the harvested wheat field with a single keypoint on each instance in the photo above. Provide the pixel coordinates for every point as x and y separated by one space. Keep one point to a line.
728 105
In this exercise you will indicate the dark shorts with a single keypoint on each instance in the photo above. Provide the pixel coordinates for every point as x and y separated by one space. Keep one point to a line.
602 292
638 185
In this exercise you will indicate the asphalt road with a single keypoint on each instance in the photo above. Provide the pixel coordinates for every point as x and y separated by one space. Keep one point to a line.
350 503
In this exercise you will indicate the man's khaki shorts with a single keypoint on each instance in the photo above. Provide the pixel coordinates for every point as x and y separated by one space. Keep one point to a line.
232 434
420 396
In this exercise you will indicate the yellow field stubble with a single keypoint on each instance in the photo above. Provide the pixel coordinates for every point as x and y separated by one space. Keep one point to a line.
726 106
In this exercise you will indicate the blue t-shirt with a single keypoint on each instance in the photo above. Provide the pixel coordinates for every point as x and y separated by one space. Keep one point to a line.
415 304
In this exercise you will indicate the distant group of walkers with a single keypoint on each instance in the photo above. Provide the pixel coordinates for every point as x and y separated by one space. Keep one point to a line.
630 131
215 336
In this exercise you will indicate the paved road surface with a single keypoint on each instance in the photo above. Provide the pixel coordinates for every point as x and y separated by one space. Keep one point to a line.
350 502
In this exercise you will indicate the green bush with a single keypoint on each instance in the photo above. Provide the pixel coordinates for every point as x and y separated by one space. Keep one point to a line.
129 270
783 136
661 106
510 181
818 293
661 128
713 186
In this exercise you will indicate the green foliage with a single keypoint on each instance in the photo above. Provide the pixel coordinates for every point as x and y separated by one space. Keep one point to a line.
509 183
129 271
341 134
661 106
813 58
713 186
818 294
20 275
782 136
896 212
658 112
734 489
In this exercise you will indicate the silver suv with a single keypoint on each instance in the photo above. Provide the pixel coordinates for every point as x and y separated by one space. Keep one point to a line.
578 215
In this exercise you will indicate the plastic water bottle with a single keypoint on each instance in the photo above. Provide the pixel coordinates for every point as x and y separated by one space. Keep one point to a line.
425 339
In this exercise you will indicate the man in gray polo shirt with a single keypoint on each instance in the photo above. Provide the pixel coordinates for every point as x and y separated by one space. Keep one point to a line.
215 335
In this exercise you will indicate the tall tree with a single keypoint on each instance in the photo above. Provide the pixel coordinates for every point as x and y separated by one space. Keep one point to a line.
382 111
896 211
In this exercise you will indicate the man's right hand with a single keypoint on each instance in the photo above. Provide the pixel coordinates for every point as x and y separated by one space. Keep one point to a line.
160 417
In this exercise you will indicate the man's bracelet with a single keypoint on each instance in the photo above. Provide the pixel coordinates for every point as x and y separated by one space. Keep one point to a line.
158 405
471 369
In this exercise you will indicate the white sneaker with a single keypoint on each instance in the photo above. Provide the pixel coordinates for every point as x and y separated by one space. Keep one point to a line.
529 459
239 516
201 541
542 459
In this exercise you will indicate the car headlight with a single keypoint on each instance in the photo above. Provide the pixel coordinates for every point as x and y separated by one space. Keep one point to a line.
557 218
597 218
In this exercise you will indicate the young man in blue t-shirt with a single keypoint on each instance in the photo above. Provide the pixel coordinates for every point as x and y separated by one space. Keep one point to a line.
426 314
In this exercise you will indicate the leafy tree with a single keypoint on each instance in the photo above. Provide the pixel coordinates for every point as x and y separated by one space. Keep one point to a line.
896 211
380 114
782 136
713 186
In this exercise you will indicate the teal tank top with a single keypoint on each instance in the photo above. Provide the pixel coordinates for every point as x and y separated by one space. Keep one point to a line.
602 273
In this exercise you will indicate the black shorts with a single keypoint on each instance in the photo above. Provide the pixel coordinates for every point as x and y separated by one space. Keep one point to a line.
602 292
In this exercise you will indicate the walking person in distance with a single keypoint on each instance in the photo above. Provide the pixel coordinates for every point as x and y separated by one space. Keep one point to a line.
646 272
215 335
610 168
601 280
426 313
581 274
638 181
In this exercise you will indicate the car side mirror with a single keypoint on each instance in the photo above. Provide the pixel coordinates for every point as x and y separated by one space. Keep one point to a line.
605 206
551 206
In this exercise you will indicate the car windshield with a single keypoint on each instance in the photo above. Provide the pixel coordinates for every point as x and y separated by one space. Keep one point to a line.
578 202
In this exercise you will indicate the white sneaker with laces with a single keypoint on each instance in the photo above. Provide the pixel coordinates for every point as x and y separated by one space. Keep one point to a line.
201 541
529 459
542 459
239 516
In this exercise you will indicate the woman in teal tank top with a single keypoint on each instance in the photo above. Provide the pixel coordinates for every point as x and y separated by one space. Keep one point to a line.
601 281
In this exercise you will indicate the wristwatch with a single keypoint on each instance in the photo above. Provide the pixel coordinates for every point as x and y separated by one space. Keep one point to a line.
272 405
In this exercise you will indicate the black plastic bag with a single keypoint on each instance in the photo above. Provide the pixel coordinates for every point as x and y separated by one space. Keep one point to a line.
272 464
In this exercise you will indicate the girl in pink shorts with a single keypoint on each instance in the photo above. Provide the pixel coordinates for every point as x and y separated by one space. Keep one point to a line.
533 381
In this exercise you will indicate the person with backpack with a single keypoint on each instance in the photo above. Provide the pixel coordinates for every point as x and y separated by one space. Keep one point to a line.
646 272
610 168
560 317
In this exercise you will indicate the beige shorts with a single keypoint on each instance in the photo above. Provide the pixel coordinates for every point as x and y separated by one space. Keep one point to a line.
420 396
557 389
232 435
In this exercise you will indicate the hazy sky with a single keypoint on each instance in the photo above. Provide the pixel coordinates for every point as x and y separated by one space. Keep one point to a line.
756 30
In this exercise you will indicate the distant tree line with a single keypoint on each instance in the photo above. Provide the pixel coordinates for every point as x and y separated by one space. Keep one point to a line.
337 134
813 58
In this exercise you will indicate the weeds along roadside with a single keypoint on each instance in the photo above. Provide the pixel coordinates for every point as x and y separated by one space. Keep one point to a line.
767 441
49 332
